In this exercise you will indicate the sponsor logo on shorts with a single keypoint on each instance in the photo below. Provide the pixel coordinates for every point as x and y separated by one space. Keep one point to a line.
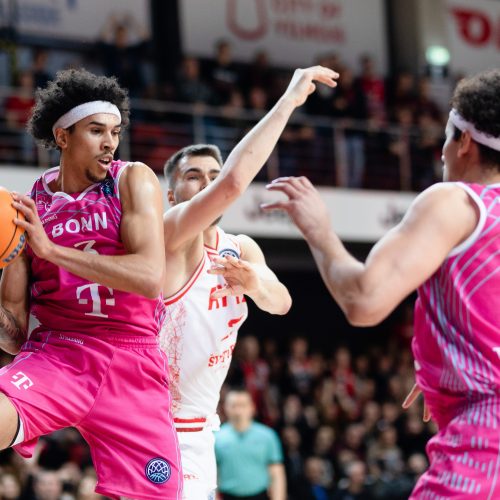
229 252
158 470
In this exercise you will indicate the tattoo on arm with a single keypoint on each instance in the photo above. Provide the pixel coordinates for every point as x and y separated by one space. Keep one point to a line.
10 331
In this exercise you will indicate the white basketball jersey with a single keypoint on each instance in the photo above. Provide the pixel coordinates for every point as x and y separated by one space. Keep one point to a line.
199 335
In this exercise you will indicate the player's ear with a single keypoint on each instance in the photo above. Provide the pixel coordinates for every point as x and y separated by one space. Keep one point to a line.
170 197
465 143
61 138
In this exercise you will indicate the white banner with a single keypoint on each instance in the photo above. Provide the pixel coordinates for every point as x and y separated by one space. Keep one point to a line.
293 32
80 20
357 215
474 34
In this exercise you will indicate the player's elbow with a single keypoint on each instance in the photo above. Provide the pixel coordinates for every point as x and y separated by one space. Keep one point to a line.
284 306
363 314
151 287
233 186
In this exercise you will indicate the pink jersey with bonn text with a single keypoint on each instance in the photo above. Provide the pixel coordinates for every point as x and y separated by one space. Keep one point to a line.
87 221
457 318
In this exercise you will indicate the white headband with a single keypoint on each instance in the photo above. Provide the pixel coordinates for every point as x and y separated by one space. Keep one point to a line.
82 111
462 124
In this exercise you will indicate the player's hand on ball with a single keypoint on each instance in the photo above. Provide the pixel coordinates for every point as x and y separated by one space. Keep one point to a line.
304 205
303 83
410 399
37 237
241 278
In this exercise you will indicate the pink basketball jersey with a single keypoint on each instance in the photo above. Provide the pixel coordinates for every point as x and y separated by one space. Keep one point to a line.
88 221
457 317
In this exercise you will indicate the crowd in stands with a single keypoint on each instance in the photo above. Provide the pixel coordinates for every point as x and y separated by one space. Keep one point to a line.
390 129
338 414
344 433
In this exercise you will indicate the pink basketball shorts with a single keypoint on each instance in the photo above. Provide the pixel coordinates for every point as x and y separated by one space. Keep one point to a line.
114 390
465 456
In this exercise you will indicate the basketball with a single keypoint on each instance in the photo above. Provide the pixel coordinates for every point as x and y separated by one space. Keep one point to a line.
12 237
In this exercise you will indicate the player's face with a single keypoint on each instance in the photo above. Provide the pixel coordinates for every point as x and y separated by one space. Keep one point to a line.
92 144
450 155
194 173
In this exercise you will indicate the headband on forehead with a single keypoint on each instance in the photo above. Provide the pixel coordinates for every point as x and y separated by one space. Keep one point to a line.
462 124
82 111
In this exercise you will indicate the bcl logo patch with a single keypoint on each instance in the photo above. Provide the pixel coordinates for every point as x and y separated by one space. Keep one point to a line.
158 470
229 252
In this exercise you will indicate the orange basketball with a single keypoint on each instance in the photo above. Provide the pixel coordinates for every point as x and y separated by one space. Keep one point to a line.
12 237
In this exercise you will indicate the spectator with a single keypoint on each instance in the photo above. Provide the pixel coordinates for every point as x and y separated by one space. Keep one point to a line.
253 372
355 486
190 87
294 463
374 88
259 73
40 74
425 105
403 94
17 112
122 47
47 485
300 366
350 107
321 102
10 488
316 483
86 489
222 73
249 455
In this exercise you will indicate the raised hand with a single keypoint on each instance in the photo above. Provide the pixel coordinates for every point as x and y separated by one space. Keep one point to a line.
240 276
303 83
37 237
304 205
410 399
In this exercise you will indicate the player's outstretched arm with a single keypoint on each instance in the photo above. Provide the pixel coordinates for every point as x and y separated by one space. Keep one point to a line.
186 220
251 276
438 220
141 269
14 305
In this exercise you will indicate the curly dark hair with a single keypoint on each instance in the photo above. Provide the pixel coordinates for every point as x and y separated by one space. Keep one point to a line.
69 89
477 99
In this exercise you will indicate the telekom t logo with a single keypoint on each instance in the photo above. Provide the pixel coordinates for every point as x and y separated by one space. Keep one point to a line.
497 351
21 381
92 290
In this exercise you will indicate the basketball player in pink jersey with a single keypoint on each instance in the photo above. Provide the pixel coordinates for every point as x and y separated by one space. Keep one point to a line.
209 273
448 247
91 283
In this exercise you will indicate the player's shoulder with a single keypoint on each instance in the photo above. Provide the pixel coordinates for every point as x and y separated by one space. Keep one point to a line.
247 244
136 168
447 198
135 173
